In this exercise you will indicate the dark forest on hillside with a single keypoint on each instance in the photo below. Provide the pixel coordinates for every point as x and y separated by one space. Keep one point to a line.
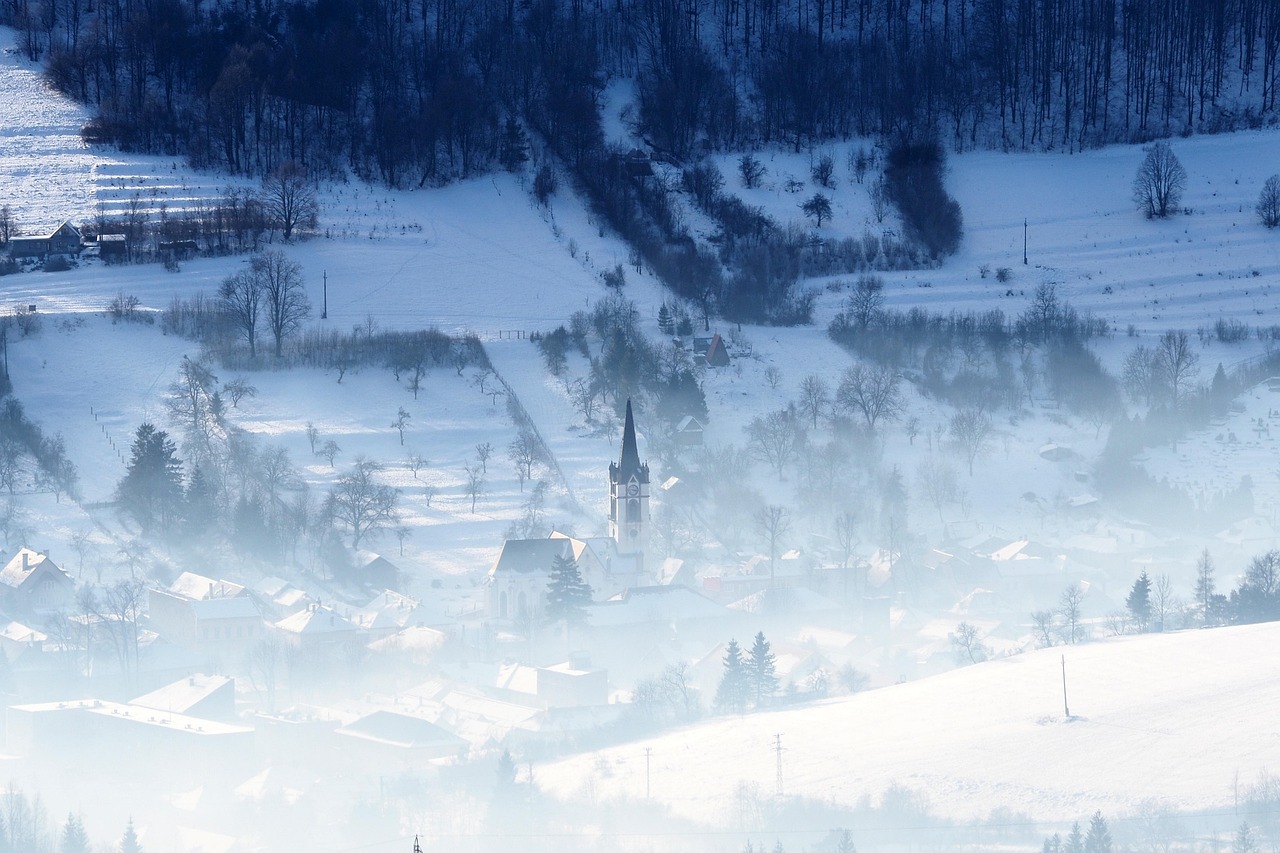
412 92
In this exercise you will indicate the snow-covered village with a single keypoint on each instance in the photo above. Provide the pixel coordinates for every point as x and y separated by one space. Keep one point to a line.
692 426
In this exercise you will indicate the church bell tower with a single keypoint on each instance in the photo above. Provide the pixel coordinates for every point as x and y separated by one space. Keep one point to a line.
629 495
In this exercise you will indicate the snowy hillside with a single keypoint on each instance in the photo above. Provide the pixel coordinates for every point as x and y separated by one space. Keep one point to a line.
1183 719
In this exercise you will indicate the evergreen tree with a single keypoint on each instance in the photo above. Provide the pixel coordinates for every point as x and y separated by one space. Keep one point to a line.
151 490
1075 840
129 843
1244 842
666 323
568 595
844 842
201 506
1205 587
1098 839
761 670
735 684
1139 601
74 838
1052 844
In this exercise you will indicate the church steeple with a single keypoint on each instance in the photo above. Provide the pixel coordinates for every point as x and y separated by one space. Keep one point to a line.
629 494
630 462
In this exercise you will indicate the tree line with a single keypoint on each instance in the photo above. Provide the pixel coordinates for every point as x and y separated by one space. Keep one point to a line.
412 93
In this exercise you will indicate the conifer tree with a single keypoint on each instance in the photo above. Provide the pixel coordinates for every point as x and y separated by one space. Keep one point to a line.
735 686
1244 842
1098 839
568 595
151 490
761 670
74 839
1139 601
129 843
1075 840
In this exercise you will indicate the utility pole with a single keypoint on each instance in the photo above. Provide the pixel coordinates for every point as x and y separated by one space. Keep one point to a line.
324 310
1065 709
648 750
1024 240
777 748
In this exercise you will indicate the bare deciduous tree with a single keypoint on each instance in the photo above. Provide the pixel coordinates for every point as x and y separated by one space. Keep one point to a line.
284 296
776 438
241 295
289 198
1176 363
970 429
473 485
1069 604
814 397
401 422
873 392
774 524
1158 186
1268 207
361 504
966 643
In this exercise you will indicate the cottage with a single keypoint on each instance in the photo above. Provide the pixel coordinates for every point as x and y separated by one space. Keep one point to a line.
64 240
717 355
689 432
33 583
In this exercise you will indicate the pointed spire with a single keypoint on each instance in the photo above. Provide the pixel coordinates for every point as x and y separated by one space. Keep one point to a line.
630 462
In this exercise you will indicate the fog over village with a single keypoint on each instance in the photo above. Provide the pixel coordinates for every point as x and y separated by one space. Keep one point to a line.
707 425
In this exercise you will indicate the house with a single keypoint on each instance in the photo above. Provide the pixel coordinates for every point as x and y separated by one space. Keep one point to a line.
32 583
376 571
64 240
717 355
689 432
315 627
216 618
210 697
404 738
113 247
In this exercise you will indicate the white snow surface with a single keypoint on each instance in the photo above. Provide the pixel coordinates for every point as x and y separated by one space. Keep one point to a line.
1166 718
1172 717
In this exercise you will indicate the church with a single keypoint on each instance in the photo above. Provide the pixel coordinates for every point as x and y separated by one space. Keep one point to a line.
517 582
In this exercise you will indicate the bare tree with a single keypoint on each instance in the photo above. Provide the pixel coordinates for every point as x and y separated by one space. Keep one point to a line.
1158 186
239 388
483 451
416 463
846 530
283 294
1205 586
1069 607
264 662
937 480
289 198
867 302
970 429
1141 375
1268 207
401 421
776 438
119 610
1176 363
313 435
329 450
361 504
872 391
1043 622
1163 602
966 643
774 525
523 451
241 295
814 397
6 225
473 485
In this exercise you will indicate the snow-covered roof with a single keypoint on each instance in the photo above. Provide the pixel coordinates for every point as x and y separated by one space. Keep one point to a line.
26 564
315 621
199 588
184 694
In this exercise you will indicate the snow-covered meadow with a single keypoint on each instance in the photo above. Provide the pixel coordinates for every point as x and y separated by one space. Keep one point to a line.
1158 717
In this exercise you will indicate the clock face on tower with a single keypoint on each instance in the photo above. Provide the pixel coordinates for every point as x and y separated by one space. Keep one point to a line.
633 490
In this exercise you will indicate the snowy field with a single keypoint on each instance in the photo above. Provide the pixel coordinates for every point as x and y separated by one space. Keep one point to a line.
1182 720
480 257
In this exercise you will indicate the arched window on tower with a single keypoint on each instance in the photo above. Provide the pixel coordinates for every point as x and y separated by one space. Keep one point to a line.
633 511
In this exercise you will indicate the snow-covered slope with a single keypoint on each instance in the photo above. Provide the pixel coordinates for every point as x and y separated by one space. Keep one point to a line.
1176 718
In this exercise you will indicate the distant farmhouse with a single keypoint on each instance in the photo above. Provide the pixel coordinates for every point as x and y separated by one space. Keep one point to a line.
32 583
63 240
